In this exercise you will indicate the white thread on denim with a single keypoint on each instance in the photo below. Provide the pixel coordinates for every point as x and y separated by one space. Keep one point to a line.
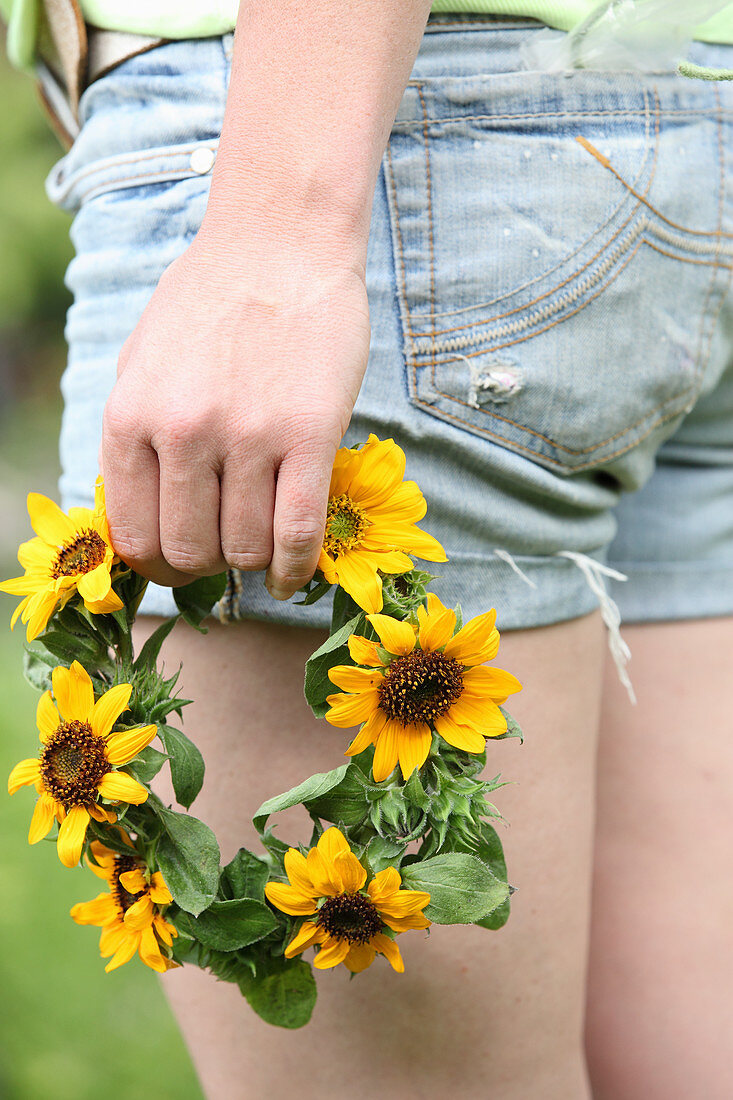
594 573
497 382
506 556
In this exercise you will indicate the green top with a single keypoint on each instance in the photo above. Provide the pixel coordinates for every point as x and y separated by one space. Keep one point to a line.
199 18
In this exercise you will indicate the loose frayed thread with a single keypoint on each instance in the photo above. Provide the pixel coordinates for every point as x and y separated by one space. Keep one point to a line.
594 573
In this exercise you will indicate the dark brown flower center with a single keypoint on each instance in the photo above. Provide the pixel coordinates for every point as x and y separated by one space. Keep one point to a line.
73 763
82 555
123 898
345 525
420 687
351 917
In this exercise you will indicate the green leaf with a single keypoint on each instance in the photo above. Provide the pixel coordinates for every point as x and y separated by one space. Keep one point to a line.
308 791
188 857
313 591
346 803
71 647
147 764
382 852
491 852
37 666
334 651
187 764
195 601
414 793
245 876
344 608
282 992
149 653
229 925
462 890
513 729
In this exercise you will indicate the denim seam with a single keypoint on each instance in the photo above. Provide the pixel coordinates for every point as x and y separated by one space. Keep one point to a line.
160 153
573 275
431 223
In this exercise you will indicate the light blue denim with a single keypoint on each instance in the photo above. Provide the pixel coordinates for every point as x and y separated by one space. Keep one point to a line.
549 268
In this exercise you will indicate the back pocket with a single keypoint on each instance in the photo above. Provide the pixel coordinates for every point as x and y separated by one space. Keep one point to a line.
556 268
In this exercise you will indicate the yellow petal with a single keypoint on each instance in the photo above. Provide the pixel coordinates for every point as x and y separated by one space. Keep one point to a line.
37 612
362 651
149 951
436 625
159 892
353 679
396 637
383 884
99 911
111 602
120 787
49 521
405 537
368 733
387 947
476 642
133 881
360 956
359 578
324 875
353 875
387 751
406 924
124 952
406 504
494 682
413 748
47 717
95 584
460 737
296 869
36 555
481 714
350 710
140 914
20 586
403 903
109 707
288 899
377 473
23 774
42 820
72 831
72 689
308 934
123 746
332 843
331 954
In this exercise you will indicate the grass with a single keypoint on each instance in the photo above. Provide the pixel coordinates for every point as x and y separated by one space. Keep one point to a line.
69 1030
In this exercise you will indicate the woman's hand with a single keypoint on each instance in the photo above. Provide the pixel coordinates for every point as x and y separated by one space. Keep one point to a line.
233 393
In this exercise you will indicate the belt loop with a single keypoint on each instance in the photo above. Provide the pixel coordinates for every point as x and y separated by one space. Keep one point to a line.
63 46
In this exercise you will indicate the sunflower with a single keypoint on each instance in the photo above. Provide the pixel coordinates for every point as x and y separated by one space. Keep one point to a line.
72 553
77 760
370 521
422 678
348 922
130 915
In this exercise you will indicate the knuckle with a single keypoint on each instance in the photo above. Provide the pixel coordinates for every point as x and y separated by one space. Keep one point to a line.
178 432
187 558
299 541
252 560
133 545
118 420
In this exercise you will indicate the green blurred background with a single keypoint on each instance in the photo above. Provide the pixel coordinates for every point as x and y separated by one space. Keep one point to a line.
67 1029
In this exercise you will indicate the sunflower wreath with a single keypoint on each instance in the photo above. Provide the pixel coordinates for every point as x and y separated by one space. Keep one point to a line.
402 834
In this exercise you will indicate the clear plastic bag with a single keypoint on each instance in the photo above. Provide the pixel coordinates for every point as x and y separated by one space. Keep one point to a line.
624 35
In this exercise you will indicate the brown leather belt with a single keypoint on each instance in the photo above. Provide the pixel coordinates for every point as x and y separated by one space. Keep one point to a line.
71 55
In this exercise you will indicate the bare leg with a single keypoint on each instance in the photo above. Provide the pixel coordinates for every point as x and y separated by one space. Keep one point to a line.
660 1023
494 1015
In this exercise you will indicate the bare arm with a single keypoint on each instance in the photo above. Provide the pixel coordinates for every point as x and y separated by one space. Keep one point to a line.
238 382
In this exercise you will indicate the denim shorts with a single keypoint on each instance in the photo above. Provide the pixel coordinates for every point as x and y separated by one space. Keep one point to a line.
552 331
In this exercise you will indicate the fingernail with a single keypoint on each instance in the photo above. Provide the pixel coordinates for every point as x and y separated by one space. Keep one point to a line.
278 593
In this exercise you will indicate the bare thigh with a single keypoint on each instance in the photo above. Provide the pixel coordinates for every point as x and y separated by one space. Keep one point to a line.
660 1014
496 1014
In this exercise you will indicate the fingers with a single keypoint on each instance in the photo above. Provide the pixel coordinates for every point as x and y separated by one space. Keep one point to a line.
132 492
189 511
247 504
299 519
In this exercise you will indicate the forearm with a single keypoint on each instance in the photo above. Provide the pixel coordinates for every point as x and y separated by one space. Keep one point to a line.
314 90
